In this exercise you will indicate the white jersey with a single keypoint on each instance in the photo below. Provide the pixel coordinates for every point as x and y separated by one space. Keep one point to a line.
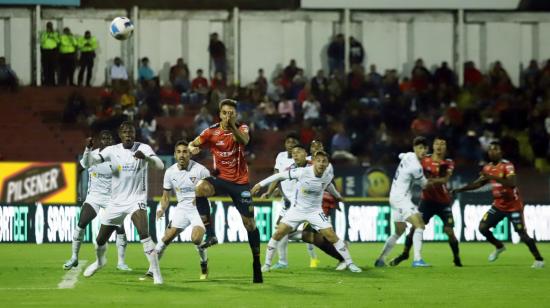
308 195
407 174
129 182
99 181
283 163
183 182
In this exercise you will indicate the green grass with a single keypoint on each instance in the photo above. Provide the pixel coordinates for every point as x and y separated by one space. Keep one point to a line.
29 275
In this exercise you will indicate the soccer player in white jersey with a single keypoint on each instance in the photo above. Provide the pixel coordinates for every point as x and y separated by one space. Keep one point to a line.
130 161
403 209
98 196
181 178
283 162
312 181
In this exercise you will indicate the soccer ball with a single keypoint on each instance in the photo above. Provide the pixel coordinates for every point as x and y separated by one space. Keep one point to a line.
121 28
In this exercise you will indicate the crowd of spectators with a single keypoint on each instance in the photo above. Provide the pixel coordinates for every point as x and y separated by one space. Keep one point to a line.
364 116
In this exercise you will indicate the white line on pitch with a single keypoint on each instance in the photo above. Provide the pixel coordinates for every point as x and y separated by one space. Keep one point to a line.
24 289
70 279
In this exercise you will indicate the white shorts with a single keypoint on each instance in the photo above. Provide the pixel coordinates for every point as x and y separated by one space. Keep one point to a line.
402 209
96 203
114 214
182 218
295 217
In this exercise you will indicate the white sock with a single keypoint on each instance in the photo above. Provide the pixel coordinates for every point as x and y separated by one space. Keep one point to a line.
78 235
121 244
202 254
151 254
295 236
100 254
160 248
343 250
283 250
417 244
311 250
388 246
270 252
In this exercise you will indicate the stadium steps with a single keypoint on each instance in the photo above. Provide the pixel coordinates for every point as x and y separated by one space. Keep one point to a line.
34 114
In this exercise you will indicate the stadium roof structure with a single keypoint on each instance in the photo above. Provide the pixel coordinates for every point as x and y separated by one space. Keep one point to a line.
412 4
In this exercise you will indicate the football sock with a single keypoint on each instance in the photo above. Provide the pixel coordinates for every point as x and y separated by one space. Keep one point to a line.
417 244
491 238
408 243
311 250
271 249
388 246
78 235
343 250
532 247
254 242
283 250
328 248
100 253
453 242
202 254
121 244
203 207
161 246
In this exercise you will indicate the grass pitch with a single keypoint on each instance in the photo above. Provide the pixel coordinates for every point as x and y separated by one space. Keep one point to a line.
30 274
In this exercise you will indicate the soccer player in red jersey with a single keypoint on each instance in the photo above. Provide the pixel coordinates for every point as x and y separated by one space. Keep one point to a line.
500 173
435 199
227 140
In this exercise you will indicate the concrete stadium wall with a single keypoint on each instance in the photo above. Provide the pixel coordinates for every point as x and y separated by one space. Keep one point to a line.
269 39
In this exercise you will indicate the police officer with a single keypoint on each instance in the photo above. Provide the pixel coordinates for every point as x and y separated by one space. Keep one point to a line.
49 41
67 57
87 45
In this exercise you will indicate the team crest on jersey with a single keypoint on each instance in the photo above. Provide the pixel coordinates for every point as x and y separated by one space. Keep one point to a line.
193 179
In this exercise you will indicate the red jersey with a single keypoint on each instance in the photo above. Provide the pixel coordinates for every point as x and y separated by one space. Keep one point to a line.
506 199
228 154
435 169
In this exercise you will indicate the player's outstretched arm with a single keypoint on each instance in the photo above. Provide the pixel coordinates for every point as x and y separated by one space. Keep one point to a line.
506 180
154 160
194 146
331 189
164 202
481 181
275 178
88 158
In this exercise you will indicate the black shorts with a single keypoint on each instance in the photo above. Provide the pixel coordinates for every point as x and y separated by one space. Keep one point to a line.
239 193
494 216
430 208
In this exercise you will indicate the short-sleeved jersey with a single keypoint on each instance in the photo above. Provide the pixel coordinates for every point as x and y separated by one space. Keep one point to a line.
309 187
506 199
283 163
407 174
228 154
99 180
434 169
183 182
129 181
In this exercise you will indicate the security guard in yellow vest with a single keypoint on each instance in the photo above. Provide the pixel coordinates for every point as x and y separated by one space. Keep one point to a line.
67 57
49 42
87 45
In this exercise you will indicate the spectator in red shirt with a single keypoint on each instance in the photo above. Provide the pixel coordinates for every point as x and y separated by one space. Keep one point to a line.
472 76
199 87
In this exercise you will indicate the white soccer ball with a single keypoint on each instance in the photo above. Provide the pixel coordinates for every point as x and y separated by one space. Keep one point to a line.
121 28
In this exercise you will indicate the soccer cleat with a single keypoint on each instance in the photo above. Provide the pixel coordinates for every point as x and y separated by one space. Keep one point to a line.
204 271
93 268
279 265
354 268
123 267
70 264
257 271
400 258
209 242
341 266
379 263
538 264
146 276
420 263
266 268
314 262
494 255
457 262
